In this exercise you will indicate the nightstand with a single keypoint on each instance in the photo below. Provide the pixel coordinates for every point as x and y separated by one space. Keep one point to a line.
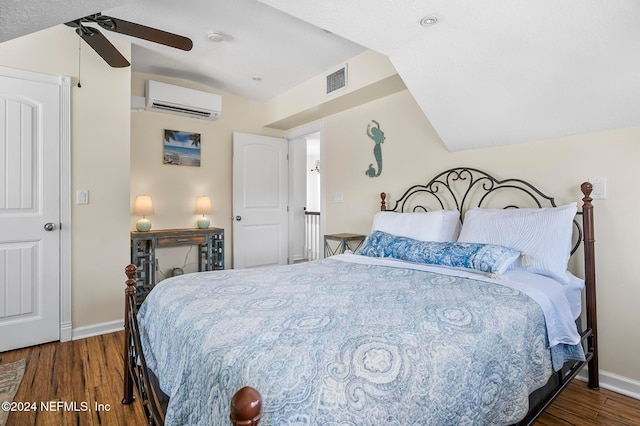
344 242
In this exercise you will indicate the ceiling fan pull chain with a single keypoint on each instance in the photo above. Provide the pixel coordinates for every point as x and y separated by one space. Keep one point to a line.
79 59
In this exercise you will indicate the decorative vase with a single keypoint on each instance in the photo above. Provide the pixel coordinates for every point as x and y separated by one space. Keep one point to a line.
143 225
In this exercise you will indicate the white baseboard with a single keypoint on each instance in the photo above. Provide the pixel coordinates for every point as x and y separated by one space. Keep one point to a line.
97 329
66 332
614 382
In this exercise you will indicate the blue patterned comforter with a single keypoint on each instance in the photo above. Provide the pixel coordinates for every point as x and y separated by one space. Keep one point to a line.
338 343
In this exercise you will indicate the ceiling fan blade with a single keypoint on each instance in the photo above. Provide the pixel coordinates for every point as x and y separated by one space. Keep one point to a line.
141 31
102 46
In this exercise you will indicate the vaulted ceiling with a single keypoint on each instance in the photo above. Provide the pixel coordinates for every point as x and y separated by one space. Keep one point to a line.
494 72
484 72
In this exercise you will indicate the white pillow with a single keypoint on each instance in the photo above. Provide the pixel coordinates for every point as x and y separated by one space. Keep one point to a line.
440 225
543 235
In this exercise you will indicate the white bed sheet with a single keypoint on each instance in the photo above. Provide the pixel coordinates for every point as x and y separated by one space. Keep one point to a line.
560 303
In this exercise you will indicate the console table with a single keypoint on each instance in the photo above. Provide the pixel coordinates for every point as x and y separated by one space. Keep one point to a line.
210 244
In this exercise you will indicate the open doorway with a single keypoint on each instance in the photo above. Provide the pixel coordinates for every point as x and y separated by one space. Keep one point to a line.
306 196
313 243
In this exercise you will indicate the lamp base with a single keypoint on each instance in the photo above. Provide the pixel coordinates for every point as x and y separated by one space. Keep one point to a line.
143 225
203 223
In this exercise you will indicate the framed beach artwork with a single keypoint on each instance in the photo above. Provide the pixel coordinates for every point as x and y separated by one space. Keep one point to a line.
181 148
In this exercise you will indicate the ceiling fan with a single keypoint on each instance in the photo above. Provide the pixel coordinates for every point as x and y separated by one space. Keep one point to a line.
108 51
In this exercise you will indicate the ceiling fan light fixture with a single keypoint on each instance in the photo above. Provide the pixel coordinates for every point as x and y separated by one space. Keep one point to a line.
215 36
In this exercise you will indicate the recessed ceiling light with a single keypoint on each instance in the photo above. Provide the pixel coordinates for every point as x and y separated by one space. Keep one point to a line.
428 20
215 36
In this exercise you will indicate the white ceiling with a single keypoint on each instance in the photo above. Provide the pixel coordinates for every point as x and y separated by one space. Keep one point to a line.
497 72
20 17
490 72
260 41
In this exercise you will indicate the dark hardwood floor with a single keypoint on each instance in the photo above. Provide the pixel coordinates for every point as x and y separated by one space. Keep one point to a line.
88 374
81 373
580 406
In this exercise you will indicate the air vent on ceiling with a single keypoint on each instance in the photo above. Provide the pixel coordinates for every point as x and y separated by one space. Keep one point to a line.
337 80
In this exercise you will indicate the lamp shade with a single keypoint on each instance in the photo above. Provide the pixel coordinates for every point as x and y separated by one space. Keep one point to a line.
203 205
143 205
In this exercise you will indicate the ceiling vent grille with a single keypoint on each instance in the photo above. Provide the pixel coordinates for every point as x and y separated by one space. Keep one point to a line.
337 80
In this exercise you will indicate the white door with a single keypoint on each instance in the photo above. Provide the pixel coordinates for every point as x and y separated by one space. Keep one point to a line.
260 198
29 212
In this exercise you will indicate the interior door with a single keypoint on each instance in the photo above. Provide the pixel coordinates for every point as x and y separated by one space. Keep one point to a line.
260 199
29 212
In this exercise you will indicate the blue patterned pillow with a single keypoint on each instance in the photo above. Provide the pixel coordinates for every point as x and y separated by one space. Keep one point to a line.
489 258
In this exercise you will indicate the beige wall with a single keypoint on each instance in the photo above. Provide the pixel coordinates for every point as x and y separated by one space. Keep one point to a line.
99 162
174 188
370 76
413 152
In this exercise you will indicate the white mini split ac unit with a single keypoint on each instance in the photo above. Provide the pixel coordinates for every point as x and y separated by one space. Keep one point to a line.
163 97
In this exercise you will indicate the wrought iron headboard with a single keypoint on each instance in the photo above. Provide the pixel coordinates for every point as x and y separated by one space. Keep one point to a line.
464 188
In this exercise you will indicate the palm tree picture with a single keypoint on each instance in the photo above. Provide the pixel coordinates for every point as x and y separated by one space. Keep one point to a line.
181 148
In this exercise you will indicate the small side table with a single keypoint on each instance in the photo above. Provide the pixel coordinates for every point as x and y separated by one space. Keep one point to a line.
345 242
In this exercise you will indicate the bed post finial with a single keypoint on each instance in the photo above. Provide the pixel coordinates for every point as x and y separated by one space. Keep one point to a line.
383 202
586 189
590 283
130 272
246 407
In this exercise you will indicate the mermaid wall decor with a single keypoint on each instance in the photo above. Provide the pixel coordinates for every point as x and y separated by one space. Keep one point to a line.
377 136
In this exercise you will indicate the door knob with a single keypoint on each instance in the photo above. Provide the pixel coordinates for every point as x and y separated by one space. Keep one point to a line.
238 218
50 226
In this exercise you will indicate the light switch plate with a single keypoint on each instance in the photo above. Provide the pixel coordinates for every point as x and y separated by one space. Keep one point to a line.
338 197
82 196
599 188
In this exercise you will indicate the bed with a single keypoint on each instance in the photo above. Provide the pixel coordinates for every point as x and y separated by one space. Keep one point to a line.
457 309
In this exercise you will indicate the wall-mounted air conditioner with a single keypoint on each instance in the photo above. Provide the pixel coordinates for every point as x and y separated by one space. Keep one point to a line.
163 97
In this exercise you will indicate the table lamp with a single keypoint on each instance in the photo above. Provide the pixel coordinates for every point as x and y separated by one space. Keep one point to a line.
143 206
203 206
